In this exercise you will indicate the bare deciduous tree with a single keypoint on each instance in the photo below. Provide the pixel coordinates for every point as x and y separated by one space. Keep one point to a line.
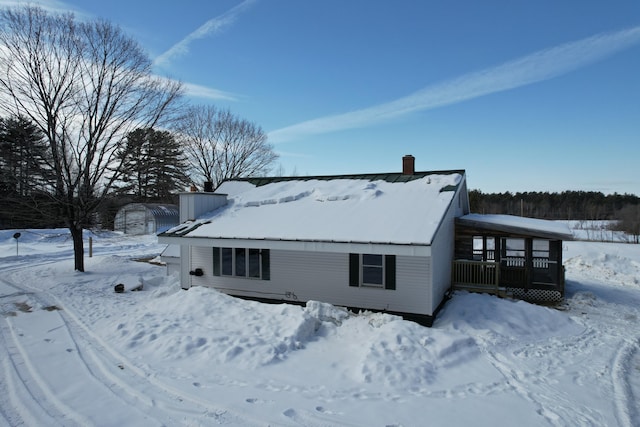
85 85
628 221
220 145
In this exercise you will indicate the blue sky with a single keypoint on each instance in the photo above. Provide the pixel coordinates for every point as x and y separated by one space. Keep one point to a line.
523 95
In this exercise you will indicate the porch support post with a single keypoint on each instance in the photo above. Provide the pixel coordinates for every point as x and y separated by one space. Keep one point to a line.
555 253
528 263
498 257
498 251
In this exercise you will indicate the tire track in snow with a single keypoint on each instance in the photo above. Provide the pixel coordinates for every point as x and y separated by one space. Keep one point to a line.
625 402
156 394
66 381
60 340
26 404
29 404
18 366
110 368
44 386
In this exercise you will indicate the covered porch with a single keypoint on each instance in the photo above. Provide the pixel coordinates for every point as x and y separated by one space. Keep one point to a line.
510 256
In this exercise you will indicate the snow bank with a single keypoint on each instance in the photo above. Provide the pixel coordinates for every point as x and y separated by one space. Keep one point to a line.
500 319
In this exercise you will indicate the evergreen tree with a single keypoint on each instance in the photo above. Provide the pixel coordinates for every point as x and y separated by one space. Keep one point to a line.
23 161
24 172
154 166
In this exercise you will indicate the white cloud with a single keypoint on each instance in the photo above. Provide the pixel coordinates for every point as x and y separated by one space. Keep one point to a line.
198 91
53 6
536 67
212 26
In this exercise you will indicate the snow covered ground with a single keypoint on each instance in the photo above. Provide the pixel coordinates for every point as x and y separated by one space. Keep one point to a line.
74 353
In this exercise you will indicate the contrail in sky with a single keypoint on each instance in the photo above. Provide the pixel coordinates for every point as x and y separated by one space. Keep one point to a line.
214 25
204 92
539 66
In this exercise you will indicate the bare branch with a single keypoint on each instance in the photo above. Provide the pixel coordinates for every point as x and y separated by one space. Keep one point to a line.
220 145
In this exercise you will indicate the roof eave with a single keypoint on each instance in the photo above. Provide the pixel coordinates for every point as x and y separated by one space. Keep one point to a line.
409 249
513 230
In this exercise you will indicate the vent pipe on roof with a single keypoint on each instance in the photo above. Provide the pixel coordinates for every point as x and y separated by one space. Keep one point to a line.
408 165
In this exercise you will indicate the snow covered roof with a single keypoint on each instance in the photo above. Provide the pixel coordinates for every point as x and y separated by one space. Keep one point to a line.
518 225
156 209
382 209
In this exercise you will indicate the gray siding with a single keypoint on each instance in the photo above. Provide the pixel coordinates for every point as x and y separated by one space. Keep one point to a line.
192 205
300 276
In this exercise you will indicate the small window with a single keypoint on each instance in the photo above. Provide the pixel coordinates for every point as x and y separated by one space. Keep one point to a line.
484 248
541 254
540 248
372 270
254 263
241 262
227 261
513 247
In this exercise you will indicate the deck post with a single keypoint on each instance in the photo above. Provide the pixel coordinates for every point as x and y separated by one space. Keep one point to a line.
528 263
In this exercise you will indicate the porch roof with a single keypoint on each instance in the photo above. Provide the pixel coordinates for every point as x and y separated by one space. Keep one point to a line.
516 225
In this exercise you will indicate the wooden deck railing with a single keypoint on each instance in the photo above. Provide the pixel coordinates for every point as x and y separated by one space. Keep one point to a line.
488 276
504 279
493 275
479 275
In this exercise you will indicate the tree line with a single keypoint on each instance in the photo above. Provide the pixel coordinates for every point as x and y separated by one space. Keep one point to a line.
84 119
621 210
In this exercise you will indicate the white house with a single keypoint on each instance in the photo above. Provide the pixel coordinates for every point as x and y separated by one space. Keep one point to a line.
387 242
374 241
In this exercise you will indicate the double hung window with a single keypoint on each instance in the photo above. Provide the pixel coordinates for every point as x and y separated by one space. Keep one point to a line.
372 270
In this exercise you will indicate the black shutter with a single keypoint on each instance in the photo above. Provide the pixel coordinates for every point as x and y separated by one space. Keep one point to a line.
354 270
216 261
266 266
389 271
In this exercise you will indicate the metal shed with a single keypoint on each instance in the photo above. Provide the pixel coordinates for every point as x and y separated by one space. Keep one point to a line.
146 218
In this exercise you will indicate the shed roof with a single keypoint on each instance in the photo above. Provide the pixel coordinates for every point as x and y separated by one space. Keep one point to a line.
374 208
517 225
156 209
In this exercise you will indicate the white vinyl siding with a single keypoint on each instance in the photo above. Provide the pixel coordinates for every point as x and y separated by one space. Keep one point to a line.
301 276
442 250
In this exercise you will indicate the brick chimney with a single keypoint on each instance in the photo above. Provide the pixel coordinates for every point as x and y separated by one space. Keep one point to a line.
408 165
